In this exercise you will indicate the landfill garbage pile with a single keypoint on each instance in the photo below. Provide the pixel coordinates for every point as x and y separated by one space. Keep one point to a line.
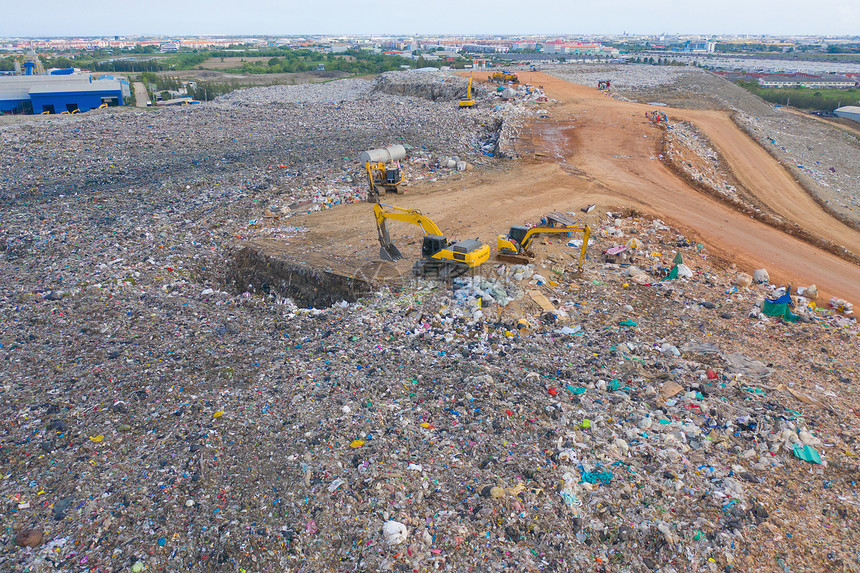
669 85
329 92
260 141
623 77
428 84
691 152
154 421
828 169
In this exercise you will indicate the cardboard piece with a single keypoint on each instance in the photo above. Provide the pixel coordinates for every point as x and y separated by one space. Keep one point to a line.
542 301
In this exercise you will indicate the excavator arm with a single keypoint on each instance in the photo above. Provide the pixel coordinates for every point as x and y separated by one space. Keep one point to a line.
388 251
509 245
468 102
535 231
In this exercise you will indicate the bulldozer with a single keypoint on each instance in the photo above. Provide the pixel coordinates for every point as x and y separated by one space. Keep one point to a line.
384 174
439 256
469 101
504 77
514 247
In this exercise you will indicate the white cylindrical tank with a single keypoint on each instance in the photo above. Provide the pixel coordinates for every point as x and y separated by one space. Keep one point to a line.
390 153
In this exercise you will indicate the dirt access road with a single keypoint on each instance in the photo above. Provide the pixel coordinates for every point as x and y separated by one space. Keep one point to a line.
595 150
140 95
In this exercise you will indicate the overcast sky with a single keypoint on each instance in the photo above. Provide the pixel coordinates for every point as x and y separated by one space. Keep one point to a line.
291 17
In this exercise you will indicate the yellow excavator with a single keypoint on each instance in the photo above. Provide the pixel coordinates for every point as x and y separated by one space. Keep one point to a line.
440 257
384 174
382 179
469 101
504 77
514 247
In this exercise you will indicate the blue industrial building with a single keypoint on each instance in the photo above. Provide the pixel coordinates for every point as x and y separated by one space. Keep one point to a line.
59 93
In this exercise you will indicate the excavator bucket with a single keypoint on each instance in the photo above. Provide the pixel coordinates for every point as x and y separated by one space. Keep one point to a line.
390 252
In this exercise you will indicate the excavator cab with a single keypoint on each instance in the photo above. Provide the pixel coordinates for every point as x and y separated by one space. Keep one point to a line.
392 176
518 233
432 245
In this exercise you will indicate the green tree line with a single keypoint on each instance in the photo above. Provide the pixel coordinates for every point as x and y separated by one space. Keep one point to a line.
351 61
844 49
207 91
161 83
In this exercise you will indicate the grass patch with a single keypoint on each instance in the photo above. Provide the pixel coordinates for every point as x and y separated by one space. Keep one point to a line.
824 99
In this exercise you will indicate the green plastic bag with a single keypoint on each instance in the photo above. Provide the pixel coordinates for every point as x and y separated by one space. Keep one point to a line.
673 274
807 453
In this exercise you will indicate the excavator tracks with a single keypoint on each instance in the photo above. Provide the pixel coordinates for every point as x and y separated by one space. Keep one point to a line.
511 258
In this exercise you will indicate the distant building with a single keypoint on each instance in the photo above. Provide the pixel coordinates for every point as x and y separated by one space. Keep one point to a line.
57 94
485 49
848 112
805 81
694 47
578 48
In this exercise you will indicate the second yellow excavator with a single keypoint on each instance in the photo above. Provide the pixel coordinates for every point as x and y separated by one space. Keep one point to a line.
504 77
384 174
469 101
440 257
514 247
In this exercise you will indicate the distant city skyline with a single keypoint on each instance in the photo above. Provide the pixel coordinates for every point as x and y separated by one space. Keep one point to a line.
271 17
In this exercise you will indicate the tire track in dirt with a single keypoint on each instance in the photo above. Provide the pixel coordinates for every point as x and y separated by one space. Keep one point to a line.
769 181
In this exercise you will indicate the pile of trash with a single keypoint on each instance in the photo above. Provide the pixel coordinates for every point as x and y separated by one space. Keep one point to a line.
478 292
433 84
529 419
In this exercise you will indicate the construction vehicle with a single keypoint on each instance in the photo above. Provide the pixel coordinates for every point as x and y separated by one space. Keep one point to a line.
384 174
604 84
504 77
657 117
514 247
469 101
440 257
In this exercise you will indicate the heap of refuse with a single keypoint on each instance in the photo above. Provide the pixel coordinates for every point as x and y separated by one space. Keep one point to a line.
428 84
524 418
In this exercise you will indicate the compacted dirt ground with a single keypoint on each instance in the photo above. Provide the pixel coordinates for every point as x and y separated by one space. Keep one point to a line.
588 149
